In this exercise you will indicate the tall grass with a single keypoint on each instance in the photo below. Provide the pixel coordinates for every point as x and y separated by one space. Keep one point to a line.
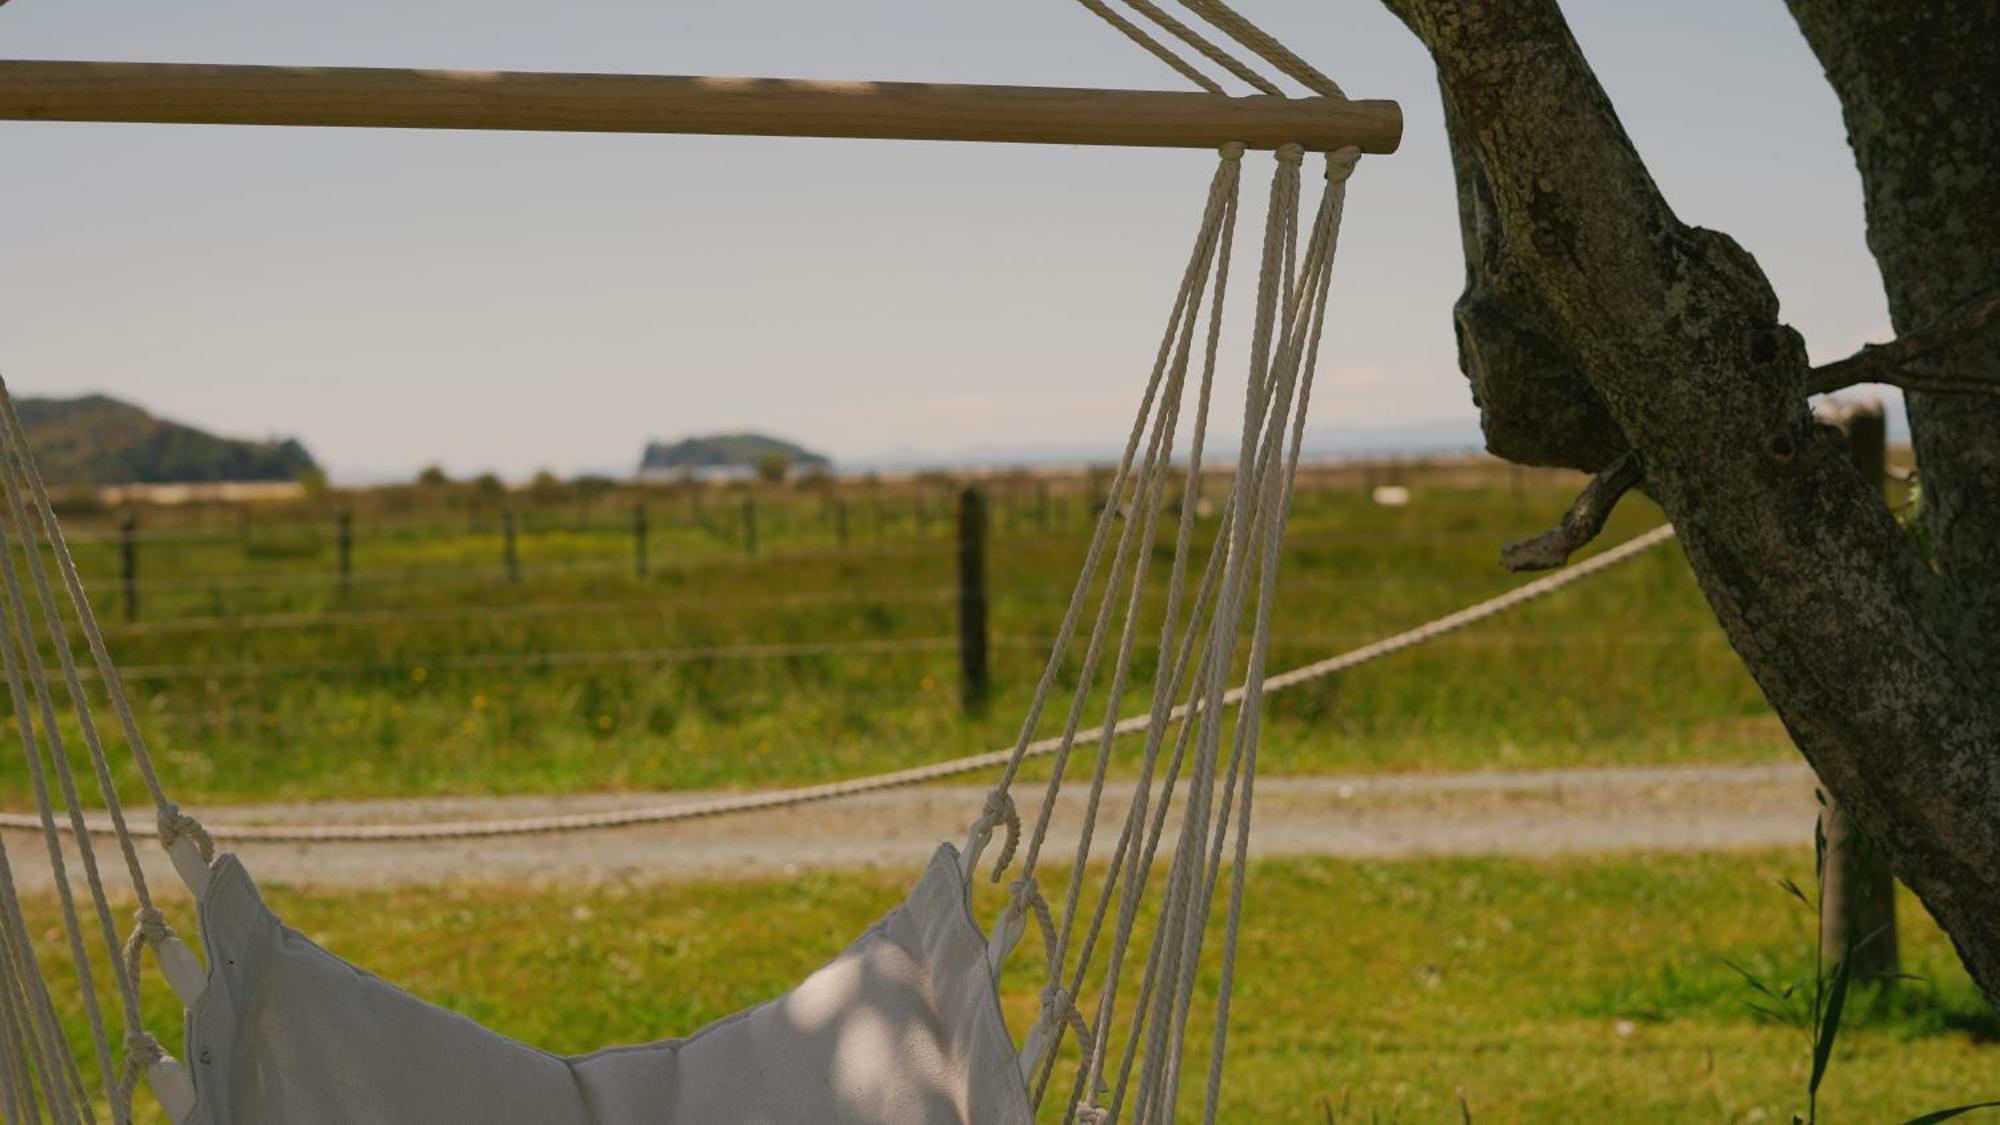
258 674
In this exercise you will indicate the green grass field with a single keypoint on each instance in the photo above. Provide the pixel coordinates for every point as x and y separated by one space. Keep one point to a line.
1413 991
1542 991
259 676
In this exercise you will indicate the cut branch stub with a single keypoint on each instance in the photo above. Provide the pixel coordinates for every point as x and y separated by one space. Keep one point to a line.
1581 524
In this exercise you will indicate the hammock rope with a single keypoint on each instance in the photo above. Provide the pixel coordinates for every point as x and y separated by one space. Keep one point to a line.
274 992
1219 15
1205 46
1198 640
1151 45
1266 46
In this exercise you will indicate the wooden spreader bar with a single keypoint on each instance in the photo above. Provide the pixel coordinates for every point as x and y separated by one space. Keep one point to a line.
201 94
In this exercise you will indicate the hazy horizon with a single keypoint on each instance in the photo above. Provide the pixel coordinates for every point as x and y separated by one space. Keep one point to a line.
512 302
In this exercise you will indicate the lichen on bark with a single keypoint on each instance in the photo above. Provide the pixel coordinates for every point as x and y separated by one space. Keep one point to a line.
1595 321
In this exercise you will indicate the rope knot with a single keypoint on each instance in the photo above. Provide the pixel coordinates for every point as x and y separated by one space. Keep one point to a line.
1025 891
1233 150
153 924
175 824
1340 164
142 1050
1000 810
150 929
1059 1007
1056 1001
1291 153
1028 895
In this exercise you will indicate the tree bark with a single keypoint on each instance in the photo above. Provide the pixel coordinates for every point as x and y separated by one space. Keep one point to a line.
1867 655
1919 87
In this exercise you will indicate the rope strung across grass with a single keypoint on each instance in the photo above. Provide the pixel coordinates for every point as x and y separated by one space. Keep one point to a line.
915 775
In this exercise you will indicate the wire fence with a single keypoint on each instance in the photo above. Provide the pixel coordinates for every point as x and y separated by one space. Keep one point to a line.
784 798
293 559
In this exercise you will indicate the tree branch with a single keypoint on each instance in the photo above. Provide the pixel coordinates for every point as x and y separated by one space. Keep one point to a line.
1581 524
1866 653
1891 363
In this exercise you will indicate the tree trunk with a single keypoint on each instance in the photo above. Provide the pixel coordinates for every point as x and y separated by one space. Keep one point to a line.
1870 658
1919 87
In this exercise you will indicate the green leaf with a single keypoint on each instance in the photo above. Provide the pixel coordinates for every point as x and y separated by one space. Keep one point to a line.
1948 1114
1796 893
1773 1014
1761 988
1829 1025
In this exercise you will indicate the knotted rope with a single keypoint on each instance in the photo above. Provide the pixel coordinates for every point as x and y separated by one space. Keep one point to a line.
173 825
32 522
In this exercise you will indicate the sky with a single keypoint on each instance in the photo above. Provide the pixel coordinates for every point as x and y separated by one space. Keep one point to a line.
512 302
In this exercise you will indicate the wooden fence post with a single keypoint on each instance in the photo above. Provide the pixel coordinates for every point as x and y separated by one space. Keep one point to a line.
343 541
639 540
510 555
972 599
128 558
1857 888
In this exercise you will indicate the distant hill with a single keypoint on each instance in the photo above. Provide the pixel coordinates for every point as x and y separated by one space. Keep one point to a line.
97 439
723 452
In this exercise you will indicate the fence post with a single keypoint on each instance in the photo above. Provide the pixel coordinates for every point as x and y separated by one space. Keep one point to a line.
343 530
1857 888
512 557
972 599
128 558
639 539
749 525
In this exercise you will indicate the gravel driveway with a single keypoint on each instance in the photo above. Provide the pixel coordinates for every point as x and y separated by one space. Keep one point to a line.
1541 812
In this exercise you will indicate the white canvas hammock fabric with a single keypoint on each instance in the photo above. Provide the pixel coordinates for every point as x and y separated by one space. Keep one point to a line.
904 1027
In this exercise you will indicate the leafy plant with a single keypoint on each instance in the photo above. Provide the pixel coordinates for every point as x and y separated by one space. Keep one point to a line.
1816 1007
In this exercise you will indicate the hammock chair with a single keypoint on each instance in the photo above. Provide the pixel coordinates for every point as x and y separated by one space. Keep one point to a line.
902 1027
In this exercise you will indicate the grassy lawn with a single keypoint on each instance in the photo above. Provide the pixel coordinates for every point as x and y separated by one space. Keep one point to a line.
258 676
1554 990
